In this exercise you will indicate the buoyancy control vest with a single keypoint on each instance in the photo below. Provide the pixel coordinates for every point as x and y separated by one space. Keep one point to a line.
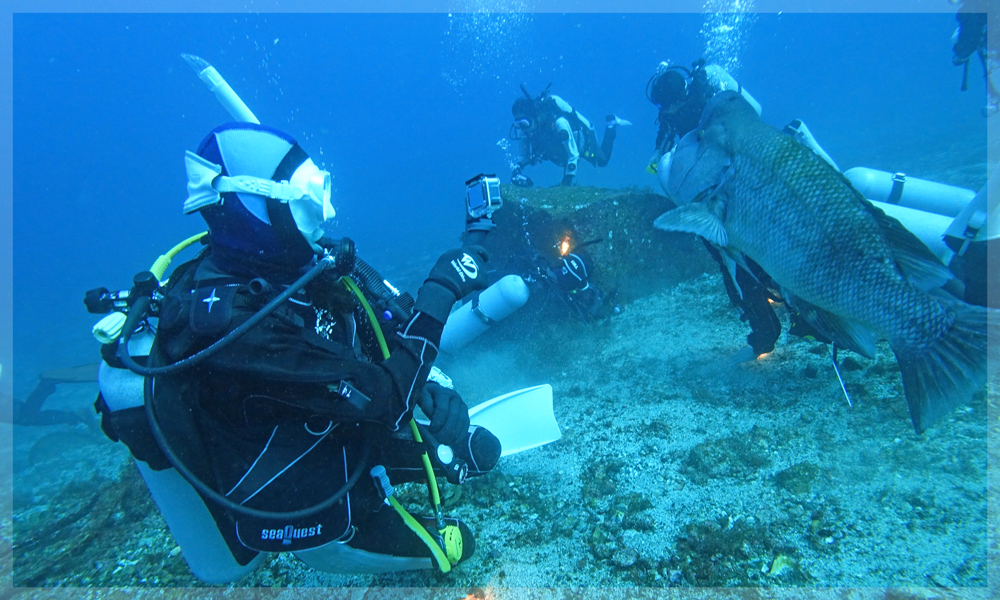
200 413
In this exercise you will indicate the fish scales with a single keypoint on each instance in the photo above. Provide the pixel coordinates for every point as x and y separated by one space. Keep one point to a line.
851 271
808 228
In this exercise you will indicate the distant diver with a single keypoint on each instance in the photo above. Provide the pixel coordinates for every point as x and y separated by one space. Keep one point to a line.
549 129
29 412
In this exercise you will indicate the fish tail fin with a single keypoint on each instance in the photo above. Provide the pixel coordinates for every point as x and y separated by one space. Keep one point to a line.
946 374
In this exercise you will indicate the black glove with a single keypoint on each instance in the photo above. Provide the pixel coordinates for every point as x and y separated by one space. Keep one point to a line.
448 413
455 275
522 181
566 181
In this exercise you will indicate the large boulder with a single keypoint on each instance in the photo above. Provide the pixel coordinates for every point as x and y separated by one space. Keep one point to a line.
612 228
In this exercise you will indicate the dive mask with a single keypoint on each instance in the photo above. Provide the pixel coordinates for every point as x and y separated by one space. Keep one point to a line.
519 129
307 192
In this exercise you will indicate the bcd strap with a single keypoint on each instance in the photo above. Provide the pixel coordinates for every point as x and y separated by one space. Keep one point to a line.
898 181
130 427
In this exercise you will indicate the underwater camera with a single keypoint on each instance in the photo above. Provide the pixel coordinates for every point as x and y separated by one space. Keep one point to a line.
482 195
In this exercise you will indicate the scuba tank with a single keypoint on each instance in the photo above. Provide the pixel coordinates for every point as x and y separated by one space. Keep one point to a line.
927 208
474 317
185 512
911 192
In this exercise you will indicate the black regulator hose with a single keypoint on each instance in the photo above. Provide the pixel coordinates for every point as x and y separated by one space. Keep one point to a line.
141 306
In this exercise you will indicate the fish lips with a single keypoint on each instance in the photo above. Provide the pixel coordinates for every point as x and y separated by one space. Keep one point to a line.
694 167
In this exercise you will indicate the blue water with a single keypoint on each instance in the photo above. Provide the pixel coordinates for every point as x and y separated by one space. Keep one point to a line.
402 108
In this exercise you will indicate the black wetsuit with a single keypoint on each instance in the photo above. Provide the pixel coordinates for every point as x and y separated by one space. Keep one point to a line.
755 309
677 124
277 420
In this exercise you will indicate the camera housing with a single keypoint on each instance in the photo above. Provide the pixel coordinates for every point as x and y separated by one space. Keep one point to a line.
482 195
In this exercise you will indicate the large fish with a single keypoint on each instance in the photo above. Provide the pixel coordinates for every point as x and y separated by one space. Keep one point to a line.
851 271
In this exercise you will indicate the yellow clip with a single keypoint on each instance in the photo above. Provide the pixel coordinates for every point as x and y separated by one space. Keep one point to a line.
453 544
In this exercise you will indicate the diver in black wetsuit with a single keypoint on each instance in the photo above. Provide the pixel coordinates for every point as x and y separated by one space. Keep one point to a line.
973 37
680 95
569 278
281 418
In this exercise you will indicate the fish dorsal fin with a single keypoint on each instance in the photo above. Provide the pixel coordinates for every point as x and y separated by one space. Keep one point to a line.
694 218
848 334
915 260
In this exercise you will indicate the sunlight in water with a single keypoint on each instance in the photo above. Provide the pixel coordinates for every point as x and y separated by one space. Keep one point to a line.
726 30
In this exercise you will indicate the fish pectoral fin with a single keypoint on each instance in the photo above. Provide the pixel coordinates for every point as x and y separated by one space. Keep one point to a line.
848 334
694 218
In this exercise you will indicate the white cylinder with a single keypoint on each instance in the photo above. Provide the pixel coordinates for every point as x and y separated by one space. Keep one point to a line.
929 227
187 517
495 303
194 529
928 196
122 388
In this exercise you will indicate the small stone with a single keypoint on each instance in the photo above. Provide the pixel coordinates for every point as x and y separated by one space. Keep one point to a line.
781 565
176 550
624 557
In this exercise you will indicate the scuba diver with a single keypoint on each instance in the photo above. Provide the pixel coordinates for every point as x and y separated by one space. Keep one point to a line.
551 130
568 278
288 383
973 38
680 95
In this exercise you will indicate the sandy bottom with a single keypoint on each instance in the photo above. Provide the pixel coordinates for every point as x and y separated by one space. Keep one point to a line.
678 473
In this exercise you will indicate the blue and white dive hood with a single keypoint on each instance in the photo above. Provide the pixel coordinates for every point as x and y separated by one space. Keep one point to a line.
261 195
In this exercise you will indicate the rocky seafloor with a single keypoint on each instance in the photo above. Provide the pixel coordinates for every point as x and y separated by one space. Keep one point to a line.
679 474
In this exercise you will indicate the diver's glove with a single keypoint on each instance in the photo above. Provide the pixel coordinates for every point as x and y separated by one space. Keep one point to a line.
567 181
455 275
522 181
654 162
448 413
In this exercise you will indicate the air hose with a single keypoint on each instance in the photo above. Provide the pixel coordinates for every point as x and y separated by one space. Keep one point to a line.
440 556
160 265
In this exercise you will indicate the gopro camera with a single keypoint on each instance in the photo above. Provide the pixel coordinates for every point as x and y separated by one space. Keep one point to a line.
482 195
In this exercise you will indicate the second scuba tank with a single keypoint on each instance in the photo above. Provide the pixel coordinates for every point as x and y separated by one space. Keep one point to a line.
474 317
911 192
927 226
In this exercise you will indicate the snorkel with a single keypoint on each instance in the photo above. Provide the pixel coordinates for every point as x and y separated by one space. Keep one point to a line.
229 99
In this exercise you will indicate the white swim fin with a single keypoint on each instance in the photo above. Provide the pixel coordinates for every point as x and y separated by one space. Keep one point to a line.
521 420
